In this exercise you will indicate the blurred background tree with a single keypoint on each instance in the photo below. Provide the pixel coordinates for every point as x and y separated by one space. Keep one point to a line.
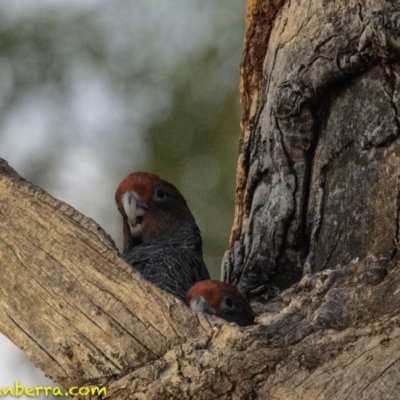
91 90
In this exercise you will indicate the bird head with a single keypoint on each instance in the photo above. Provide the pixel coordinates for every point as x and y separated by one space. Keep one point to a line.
220 299
155 212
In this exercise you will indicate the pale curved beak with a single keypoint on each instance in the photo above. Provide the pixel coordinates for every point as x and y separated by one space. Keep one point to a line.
134 208
199 304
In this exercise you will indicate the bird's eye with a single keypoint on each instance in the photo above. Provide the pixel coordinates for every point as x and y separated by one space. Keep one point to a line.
160 194
229 302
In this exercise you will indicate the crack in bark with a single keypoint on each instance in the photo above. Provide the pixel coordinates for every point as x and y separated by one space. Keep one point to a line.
396 236
360 14
89 300
377 377
333 248
342 366
32 339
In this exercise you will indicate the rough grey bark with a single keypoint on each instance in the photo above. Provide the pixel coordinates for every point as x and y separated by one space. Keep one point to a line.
318 192
320 163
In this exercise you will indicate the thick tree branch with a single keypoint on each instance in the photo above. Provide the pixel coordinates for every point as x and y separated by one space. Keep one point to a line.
84 317
68 299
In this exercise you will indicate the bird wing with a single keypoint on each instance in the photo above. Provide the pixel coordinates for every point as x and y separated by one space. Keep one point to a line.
172 268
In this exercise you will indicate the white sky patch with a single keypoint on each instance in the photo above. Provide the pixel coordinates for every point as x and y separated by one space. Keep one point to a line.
25 128
93 104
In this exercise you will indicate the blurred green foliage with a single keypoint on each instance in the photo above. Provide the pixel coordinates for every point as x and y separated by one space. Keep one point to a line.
91 90
195 146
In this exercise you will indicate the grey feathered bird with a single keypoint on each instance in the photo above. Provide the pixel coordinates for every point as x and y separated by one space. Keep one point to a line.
161 238
220 299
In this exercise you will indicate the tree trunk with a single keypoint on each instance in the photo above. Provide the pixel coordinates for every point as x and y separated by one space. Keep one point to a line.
317 218
318 172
